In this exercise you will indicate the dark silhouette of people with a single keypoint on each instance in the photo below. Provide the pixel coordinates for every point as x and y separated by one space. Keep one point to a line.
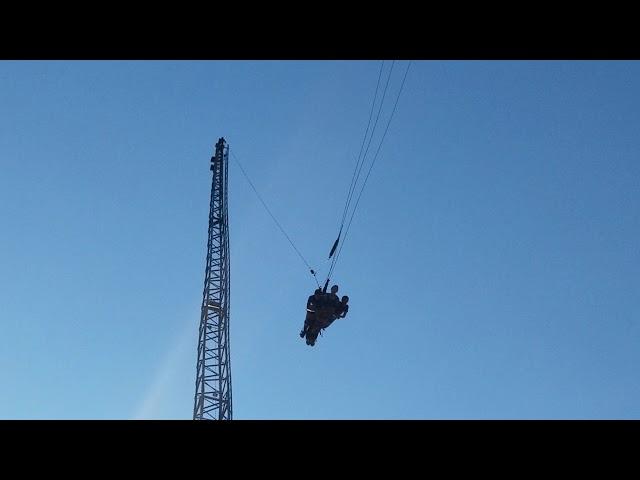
314 302
343 308
340 311
322 310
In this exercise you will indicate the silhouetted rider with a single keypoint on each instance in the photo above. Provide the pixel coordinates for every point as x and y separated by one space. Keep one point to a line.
314 302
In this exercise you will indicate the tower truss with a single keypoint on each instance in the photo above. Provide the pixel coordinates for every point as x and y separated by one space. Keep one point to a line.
213 379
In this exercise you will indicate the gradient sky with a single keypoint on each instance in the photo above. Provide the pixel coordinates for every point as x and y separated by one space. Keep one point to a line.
492 266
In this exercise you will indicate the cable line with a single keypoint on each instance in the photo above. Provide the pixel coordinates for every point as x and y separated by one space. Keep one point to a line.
274 218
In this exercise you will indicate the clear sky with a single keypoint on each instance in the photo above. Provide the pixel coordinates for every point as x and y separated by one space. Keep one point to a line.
492 266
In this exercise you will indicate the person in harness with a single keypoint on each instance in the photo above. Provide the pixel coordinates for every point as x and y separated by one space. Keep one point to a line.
314 302
322 310
339 311
342 309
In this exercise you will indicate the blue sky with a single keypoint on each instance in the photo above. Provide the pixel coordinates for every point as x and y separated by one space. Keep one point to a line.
492 266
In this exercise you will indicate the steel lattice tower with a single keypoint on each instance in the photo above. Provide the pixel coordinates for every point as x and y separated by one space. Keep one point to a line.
213 380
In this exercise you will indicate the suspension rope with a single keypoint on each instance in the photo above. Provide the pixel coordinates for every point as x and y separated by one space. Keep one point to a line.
361 158
360 163
274 218
353 177
335 260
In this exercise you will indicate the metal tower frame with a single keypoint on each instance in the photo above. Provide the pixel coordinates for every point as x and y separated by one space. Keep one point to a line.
213 379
